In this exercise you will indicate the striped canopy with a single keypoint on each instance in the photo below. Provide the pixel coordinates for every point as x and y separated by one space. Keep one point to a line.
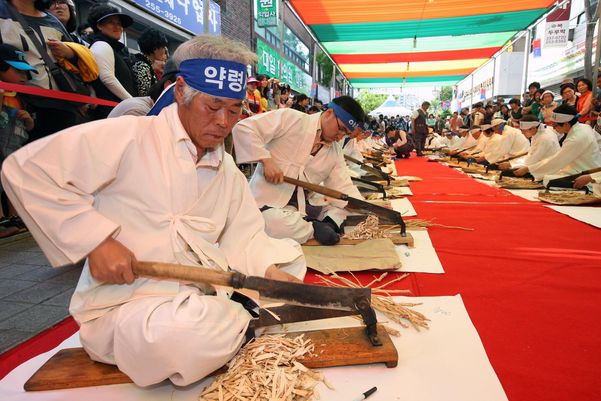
389 43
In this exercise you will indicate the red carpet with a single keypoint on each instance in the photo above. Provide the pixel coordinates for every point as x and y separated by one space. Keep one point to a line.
530 279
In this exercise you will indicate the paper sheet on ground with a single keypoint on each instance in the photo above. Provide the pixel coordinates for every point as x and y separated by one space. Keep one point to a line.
446 362
528 194
378 254
587 214
422 258
396 191
404 207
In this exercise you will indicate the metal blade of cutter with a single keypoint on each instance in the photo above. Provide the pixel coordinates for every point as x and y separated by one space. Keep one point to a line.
306 294
293 313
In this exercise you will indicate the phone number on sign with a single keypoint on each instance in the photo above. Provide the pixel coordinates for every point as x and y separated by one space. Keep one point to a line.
166 14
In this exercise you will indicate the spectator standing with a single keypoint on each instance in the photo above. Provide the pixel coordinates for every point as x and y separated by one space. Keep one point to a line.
116 81
532 89
456 122
568 94
547 106
51 36
153 51
66 13
252 102
585 101
419 127
15 123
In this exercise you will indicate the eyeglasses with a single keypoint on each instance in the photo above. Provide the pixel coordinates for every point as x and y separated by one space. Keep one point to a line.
56 3
345 131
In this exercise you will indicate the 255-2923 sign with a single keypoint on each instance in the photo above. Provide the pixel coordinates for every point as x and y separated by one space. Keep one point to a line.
186 14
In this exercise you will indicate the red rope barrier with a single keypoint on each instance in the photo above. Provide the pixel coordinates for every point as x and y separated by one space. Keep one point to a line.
71 97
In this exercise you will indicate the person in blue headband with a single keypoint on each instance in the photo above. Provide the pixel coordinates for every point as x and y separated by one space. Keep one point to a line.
155 188
290 143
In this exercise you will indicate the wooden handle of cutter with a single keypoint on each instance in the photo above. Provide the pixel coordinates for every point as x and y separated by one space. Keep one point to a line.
320 189
183 273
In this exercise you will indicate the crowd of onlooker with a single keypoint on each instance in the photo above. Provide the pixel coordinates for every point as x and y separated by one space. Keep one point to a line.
264 93
43 46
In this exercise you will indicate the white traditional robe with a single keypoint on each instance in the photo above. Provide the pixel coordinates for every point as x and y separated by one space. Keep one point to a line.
513 143
468 142
135 179
351 148
480 144
494 142
287 136
580 152
596 183
543 144
457 142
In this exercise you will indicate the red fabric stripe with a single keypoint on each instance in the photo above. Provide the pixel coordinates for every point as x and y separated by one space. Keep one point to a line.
43 342
484 52
72 97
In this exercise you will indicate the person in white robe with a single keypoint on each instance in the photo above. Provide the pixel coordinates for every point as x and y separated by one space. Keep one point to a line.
594 180
507 142
350 147
579 152
468 140
289 143
543 143
160 189
481 141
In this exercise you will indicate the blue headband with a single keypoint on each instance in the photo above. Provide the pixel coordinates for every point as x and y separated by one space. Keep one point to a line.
344 116
214 77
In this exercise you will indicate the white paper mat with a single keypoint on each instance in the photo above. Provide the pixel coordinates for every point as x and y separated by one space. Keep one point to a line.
587 214
447 362
422 258
528 194
403 191
404 207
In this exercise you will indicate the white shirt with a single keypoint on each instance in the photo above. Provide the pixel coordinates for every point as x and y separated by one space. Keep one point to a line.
513 143
480 144
287 136
580 152
136 179
134 106
105 58
468 142
543 144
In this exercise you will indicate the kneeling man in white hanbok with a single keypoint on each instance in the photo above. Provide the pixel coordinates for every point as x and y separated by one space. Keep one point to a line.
156 188
287 142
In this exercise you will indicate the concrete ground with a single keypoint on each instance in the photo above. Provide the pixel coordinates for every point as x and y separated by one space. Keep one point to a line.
33 295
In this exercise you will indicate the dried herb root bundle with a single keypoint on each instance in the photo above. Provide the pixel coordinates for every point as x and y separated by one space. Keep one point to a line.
400 313
368 229
265 369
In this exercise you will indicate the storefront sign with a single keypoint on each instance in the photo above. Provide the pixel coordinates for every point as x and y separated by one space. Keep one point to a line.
298 80
269 60
556 33
294 76
186 14
267 14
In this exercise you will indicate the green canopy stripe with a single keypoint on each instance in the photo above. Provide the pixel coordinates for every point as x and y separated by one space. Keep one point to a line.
430 44
474 24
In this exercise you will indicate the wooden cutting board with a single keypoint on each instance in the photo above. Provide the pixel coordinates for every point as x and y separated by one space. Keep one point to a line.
72 367
396 239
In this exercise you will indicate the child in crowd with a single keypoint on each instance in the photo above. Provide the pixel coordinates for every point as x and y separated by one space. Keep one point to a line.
15 122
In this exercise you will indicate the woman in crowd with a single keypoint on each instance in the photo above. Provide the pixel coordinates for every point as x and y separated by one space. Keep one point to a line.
301 101
252 103
568 94
584 104
547 106
116 81
536 102
153 50
285 100
51 115
65 11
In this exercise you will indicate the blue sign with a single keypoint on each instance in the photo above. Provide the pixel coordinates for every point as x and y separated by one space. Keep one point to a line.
186 14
